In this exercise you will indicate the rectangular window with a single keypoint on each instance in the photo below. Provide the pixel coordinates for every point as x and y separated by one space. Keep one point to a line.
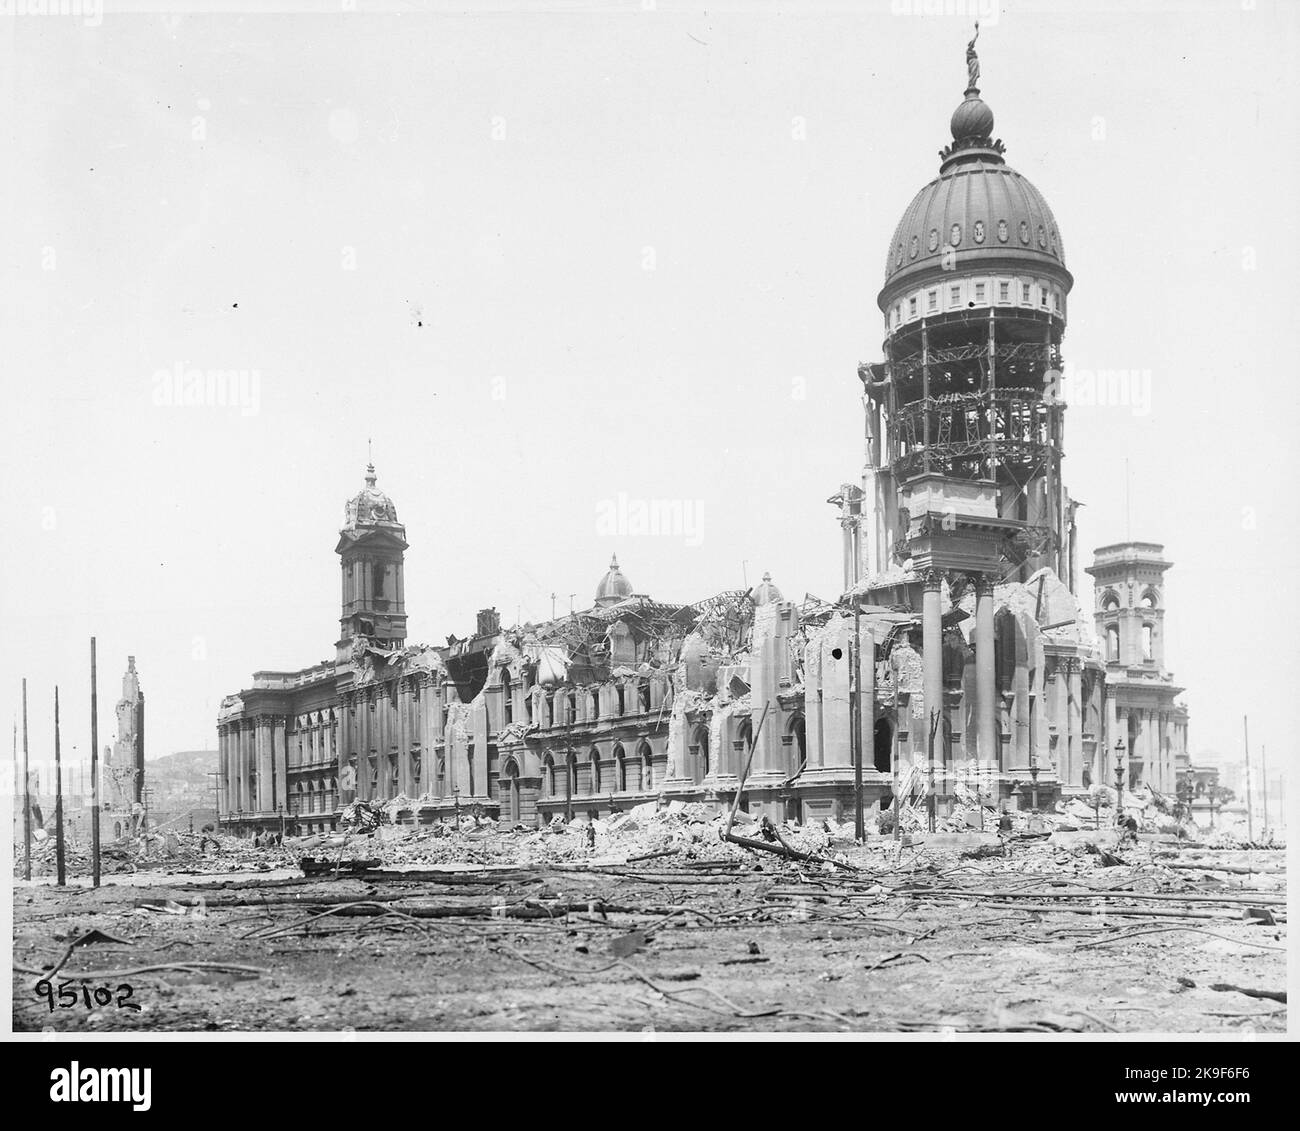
1024 292
932 300
1004 292
979 292
911 307
1043 294
955 296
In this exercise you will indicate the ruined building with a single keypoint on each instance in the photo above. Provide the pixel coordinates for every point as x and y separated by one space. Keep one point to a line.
958 658
123 772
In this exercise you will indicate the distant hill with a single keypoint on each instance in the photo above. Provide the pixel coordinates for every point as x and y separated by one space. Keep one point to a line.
182 765
179 782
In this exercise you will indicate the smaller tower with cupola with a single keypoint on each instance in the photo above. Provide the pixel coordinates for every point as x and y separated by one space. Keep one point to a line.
371 547
1129 590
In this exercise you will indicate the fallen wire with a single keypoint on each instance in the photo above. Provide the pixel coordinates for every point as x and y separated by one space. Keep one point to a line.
1160 930
88 975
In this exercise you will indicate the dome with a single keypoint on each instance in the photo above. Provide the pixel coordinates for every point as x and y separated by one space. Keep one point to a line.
765 593
613 587
370 506
978 213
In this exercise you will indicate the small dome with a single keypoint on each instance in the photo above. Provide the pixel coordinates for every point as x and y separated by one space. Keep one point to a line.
613 587
370 506
972 119
765 593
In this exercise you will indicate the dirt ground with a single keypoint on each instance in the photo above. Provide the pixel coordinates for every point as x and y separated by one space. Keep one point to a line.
1049 939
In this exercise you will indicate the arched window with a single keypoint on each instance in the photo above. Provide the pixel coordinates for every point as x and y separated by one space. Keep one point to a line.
548 775
1150 599
699 754
469 760
622 702
507 698
882 747
643 694
595 770
377 571
1110 603
647 765
1112 642
1148 630
620 769
595 704
571 770
1004 649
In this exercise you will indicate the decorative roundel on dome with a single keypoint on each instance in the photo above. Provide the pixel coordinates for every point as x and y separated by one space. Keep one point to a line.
934 238
1042 236
1002 231
1053 235
898 259
1024 232
954 237
916 244
979 231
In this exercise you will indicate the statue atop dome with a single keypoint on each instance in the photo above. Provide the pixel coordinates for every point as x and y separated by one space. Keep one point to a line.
973 63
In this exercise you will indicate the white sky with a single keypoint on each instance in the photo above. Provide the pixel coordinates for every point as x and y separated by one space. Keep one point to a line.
551 370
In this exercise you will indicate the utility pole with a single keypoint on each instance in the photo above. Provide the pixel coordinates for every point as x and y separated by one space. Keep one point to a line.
936 716
1250 816
62 878
94 770
898 809
855 724
27 797
1263 773
570 768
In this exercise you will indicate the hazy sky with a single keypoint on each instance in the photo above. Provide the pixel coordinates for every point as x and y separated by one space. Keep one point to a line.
548 255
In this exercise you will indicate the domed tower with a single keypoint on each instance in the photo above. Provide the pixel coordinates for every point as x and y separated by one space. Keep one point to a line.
614 586
371 547
963 415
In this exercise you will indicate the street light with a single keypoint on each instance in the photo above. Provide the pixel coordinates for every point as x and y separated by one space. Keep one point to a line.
1033 776
1119 781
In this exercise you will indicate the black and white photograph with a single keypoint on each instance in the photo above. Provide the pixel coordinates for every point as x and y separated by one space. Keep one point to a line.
661 521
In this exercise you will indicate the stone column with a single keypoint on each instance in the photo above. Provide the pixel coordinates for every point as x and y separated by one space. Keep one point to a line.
262 762
404 782
932 659
280 763
1074 708
246 802
986 690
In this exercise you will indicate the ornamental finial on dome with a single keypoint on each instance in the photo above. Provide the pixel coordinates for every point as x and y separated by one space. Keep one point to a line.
370 475
973 63
972 121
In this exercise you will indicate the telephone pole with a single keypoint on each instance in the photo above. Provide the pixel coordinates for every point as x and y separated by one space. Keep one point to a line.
27 797
94 770
1250 815
1263 773
62 878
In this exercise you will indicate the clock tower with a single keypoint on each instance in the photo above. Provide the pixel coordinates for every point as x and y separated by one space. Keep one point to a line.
371 547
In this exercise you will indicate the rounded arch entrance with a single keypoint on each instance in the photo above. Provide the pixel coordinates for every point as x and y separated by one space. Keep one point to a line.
699 753
511 801
797 729
882 746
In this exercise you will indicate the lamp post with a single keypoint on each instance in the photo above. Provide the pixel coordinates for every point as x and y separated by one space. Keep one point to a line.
1119 781
1033 778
